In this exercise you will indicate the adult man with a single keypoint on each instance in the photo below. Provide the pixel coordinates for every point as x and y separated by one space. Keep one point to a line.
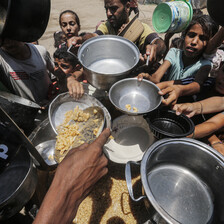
117 12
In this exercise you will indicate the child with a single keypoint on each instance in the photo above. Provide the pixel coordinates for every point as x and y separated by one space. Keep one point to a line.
180 64
69 23
59 39
68 72
210 105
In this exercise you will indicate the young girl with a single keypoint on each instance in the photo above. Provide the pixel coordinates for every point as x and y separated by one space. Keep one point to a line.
180 64
69 23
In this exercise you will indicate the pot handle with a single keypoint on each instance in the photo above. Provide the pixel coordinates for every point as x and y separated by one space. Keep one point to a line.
128 180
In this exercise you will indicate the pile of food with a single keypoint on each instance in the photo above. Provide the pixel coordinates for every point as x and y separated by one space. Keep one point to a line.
78 127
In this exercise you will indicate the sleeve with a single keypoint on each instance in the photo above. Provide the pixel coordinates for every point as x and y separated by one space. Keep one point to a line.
102 29
46 56
171 55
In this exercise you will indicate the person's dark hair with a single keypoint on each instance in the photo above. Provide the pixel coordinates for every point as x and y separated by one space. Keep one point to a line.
58 38
62 53
73 13
208 25
124 2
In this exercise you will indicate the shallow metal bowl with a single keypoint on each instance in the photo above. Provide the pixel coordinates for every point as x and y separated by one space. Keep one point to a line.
46 150
64 102
107 59
142 95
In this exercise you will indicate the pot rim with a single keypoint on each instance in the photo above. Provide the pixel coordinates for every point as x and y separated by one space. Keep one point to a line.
113 37
143 170
134 113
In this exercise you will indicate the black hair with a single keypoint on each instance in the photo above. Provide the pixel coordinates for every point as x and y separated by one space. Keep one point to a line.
58 38
209 27
62 53
124 2
73 13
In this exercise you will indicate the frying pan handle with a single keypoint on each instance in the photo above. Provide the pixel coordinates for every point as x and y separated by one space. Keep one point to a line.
128 180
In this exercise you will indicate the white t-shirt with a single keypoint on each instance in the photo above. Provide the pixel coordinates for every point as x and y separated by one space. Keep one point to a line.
29 78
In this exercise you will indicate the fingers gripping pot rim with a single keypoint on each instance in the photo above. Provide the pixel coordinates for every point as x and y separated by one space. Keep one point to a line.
172 16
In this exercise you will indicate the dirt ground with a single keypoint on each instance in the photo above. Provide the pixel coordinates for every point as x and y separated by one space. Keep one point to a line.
89 12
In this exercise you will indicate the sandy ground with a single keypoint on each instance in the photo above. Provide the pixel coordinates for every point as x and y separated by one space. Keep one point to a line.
89 12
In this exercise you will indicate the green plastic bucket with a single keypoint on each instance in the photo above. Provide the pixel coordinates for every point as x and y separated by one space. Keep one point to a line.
172 17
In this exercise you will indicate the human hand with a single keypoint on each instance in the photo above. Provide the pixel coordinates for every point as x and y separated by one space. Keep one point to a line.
172 91
75 41
187 108
75 176
84 165
75 88
151 50
147 76
143 75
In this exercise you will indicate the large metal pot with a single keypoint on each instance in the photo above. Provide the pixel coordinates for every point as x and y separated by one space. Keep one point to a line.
23 20
183 180
107 59
17 184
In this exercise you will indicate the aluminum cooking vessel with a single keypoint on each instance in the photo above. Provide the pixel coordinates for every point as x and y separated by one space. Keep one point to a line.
107 59
183 180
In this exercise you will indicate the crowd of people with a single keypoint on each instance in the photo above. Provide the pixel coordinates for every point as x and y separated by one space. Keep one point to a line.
189 73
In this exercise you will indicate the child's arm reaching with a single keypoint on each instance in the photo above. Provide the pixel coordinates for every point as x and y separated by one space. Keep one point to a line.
215 41
209 127
157 76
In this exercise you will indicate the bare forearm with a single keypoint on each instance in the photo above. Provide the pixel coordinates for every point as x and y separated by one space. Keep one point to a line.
59 205
213 105
189 89
215 41
210 126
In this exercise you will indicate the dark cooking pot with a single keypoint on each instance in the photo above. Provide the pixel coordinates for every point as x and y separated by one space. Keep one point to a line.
215 10
183 180
17 184
21 110
24 20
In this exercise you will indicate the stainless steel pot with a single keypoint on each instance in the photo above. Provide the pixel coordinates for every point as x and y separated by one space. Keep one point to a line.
107 59
183 180
17 184
23 20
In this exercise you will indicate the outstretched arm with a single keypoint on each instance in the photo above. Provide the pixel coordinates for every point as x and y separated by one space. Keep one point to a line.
74 178
207 106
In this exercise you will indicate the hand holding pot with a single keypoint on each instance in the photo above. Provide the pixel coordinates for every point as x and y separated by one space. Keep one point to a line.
75 176
173 92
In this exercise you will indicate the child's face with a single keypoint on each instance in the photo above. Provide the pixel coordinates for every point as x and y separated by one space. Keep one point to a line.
69 25
62 67
195 41
219 83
